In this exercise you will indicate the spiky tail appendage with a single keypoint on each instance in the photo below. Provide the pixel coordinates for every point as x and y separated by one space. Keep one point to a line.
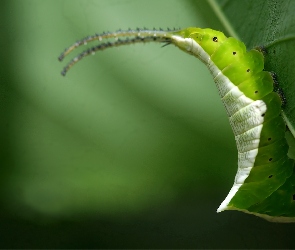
130 37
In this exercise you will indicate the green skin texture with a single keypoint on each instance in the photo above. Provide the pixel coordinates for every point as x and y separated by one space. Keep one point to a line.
270 187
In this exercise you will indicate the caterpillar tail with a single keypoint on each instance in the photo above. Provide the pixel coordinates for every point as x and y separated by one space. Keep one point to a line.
114 39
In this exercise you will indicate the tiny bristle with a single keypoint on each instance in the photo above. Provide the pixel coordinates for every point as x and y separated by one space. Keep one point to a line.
64 72
275 81
281 94
61 57
273 75
262 49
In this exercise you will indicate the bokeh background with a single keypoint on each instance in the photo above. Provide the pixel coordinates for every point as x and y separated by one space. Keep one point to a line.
132 149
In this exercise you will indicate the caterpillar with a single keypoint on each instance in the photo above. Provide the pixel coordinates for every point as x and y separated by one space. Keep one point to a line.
265 180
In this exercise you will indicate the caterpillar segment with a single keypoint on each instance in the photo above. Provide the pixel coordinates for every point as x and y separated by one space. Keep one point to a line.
265 181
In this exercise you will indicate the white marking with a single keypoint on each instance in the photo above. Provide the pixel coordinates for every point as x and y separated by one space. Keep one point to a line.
234 100
199 52
215 71
192 47
224 205
247 159
248 117
223 84
249 140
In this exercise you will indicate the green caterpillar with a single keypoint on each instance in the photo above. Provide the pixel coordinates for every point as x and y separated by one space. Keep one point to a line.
265 181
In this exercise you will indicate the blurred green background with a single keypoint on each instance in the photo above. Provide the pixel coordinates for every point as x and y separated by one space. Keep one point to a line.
132 149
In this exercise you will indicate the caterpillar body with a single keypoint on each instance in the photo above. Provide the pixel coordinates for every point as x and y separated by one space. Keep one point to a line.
265 181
